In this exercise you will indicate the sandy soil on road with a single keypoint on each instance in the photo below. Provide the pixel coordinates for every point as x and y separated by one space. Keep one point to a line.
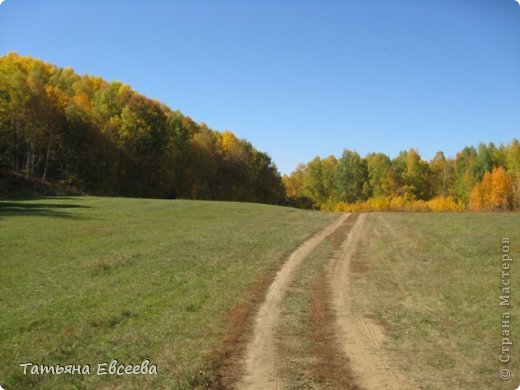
359 336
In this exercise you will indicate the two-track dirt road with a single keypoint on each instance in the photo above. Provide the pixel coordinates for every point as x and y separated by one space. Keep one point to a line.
359 337
261 354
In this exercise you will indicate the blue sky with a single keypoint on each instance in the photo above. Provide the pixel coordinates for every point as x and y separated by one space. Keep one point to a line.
299 78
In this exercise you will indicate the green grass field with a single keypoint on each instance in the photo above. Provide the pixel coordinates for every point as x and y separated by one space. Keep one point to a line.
87 280
433 282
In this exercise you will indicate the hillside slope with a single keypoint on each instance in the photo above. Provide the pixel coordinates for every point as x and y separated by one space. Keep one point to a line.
105 138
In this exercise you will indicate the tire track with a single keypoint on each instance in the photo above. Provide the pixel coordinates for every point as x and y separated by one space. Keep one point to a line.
360 337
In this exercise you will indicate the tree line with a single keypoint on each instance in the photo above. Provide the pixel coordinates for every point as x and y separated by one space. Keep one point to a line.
104 138
85 133
482 178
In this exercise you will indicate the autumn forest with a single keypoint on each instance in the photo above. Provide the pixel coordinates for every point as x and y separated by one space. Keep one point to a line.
63 131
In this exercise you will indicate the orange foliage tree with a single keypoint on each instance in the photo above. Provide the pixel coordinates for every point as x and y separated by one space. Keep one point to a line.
494 192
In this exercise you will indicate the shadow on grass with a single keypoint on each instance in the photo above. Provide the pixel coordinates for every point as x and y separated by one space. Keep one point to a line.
57 210
15 197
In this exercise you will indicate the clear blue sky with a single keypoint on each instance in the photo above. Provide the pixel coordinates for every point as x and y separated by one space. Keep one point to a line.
299 78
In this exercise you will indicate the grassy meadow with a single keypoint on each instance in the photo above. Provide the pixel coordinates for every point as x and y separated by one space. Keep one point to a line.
433 282
86 280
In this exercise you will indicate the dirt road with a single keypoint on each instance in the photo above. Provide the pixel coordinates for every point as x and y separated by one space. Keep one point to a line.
261 356
359 337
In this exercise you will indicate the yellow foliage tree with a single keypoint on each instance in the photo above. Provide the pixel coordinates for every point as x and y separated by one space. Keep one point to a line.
294 183
231 145
501 189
